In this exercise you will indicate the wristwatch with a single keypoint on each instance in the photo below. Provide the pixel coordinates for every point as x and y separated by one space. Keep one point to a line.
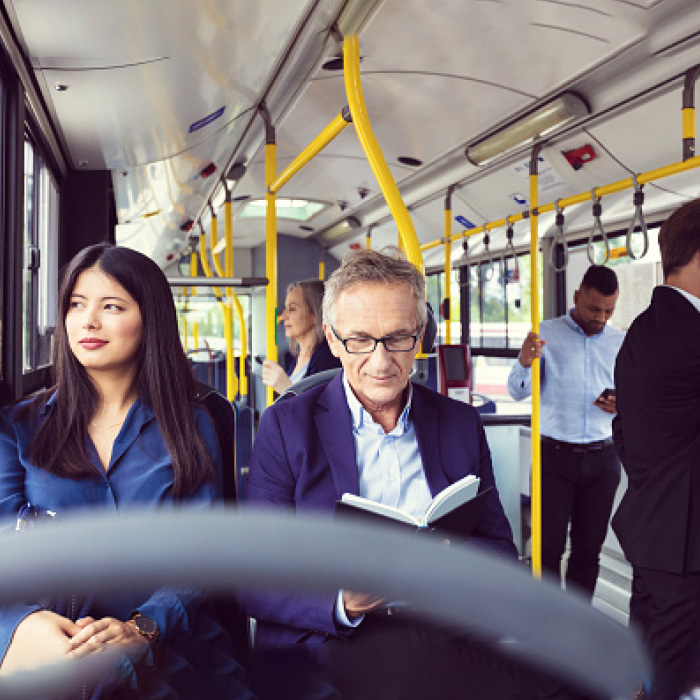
146 627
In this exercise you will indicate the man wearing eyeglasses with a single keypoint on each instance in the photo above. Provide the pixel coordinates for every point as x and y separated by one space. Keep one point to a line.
371 432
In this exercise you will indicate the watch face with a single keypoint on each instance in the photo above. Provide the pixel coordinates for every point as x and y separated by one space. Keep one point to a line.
146 626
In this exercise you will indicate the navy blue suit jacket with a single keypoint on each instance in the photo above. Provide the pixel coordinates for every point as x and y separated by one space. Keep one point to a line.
304 458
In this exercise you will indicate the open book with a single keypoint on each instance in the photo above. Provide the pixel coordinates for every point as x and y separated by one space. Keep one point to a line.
455 509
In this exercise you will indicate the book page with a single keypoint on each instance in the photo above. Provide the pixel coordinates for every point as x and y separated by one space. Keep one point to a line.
379 508
452 497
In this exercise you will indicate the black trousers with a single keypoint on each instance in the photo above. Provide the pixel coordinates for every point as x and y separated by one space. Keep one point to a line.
577 487
404 658
400 658
666 609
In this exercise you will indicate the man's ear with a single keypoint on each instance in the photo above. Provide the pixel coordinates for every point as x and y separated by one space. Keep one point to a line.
576 296
332 341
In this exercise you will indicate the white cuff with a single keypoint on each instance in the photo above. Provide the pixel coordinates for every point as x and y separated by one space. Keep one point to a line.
341 617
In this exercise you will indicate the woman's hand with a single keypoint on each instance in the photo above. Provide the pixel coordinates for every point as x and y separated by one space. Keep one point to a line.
273 375
93 634
41 638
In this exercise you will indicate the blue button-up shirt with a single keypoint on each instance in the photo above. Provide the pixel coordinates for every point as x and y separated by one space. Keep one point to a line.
576 368
389 465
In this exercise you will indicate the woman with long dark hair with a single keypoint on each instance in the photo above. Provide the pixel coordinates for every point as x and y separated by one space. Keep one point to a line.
120 427
303 325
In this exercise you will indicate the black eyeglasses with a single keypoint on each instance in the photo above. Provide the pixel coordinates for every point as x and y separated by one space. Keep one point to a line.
365 345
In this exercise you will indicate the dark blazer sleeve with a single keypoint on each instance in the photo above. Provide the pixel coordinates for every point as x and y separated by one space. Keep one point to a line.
452 444
282 617
493 530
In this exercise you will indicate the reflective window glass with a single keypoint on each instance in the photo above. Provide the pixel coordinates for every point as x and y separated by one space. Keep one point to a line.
40 275
28 240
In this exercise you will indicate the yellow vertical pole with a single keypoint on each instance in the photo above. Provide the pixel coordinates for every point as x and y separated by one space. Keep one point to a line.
243 382
185 330
270 242
360 118
536 486
691 77
193 273
242 377
213 241
368 239
448 263
321 270
231 381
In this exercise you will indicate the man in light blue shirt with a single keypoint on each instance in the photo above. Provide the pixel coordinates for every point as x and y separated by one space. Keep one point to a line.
580 470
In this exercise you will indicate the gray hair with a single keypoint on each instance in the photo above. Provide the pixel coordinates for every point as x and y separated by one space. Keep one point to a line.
312 294
374 267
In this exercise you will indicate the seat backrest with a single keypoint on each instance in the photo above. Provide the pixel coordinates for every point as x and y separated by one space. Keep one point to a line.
224 416
308 382
430 333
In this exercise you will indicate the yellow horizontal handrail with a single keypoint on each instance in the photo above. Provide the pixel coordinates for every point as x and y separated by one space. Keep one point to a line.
603 191
313 149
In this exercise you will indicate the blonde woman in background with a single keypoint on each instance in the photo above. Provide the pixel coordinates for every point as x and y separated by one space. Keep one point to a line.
309 352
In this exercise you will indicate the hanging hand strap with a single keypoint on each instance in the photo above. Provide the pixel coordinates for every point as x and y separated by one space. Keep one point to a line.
487 276
597 228
510 252
637 219
559 233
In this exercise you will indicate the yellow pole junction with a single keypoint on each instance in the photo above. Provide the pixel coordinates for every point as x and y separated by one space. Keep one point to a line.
193 273
313 149
619 186
205 262
271 259
536 469
360 118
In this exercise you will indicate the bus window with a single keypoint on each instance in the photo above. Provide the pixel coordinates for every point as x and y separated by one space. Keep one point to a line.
435 288
499 320
40 283
201 321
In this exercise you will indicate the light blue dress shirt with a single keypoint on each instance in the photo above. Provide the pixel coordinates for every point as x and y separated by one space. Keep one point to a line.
299 374
576 368
389 465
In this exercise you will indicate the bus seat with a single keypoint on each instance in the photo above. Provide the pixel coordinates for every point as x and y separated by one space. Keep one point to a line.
226 607
430 334
224 416
307 383
244 442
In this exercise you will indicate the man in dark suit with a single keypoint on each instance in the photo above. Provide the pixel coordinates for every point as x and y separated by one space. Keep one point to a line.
657 433
372 433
